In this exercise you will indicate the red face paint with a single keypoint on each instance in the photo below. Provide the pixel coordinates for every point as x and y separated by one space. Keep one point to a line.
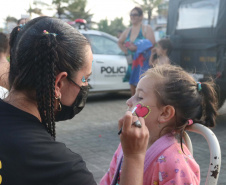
142 110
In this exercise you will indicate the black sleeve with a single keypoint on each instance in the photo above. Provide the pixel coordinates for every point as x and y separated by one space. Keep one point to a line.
75 171
65 166
44 161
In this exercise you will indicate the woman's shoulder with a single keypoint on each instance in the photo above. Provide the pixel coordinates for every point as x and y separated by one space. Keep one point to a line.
127 30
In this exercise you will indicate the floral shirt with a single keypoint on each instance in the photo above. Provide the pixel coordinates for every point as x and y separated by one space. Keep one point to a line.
165 163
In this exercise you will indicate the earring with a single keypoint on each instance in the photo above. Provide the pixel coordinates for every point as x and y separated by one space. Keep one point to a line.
60 107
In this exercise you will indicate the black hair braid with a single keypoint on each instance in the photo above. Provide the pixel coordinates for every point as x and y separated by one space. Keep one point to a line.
52 72
13 36
52 82
12 41
39 86
46 75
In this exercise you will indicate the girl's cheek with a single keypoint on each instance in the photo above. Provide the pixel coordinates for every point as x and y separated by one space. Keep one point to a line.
142 110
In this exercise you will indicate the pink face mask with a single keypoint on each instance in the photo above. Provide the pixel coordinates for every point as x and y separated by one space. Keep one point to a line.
142 110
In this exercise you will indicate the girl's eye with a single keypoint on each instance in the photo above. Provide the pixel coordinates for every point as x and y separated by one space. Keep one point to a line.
139 98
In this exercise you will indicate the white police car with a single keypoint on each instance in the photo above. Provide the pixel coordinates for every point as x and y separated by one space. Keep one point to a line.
109 62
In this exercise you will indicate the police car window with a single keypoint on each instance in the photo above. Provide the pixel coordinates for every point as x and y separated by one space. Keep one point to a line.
202 14
103 45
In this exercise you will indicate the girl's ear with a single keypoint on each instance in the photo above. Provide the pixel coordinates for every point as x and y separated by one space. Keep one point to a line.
168 112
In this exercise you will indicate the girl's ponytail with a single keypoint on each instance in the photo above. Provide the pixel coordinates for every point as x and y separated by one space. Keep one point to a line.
209 104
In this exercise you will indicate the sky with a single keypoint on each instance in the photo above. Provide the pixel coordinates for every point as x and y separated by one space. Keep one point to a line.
100 8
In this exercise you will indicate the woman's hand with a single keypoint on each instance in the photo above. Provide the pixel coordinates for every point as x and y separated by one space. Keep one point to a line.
121 41
134 143
134 140
132 47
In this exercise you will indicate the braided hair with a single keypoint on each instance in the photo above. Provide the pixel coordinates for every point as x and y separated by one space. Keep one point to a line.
36 58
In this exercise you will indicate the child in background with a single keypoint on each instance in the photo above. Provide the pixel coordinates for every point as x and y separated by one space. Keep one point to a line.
169 100
4 65
161 52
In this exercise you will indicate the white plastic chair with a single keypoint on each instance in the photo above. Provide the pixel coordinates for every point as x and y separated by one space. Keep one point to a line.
214 148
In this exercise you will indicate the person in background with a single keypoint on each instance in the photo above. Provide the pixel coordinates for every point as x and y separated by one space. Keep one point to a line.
50 63
170 101
4 64
119 33
161 52
21 21
136 43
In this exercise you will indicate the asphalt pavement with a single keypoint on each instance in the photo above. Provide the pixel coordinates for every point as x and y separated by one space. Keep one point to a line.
93 135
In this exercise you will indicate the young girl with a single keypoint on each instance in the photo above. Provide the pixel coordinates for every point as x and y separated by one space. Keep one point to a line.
161 52
169 100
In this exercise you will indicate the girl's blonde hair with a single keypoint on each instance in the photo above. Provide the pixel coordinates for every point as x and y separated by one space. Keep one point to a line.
177 88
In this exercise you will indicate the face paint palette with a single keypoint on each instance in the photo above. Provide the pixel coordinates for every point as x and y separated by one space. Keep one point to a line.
142 110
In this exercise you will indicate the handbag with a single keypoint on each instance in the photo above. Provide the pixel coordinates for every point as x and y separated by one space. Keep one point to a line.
129 59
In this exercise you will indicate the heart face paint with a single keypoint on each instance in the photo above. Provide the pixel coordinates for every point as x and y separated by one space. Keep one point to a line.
142 110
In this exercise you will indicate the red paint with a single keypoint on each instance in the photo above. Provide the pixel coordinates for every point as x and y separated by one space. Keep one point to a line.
142 111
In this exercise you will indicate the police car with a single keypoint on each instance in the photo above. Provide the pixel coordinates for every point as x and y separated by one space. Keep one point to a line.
109 62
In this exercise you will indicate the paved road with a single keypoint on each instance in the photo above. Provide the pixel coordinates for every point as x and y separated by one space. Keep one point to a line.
93 134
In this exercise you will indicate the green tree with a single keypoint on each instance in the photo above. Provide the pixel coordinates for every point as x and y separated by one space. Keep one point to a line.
36 7
113 27
34 10
103 25
10 19
163 9
76 9
116 25
148 6
61 6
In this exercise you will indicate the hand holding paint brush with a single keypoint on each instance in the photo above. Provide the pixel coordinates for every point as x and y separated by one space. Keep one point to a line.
140 111
134 138
120 131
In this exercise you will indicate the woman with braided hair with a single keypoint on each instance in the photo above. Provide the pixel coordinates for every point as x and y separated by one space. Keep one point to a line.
50 64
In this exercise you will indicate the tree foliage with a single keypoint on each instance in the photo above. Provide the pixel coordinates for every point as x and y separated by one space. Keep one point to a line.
76 9
60 6
11 19
148 6
113 27
36 7
34 10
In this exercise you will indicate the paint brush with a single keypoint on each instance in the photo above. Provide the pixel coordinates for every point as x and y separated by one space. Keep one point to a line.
120 131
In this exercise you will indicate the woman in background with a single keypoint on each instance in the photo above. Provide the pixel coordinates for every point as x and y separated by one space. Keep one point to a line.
136 42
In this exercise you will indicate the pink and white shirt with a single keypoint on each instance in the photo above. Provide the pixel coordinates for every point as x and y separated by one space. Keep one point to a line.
165 163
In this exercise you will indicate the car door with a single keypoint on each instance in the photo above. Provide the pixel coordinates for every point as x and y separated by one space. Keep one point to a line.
109 64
